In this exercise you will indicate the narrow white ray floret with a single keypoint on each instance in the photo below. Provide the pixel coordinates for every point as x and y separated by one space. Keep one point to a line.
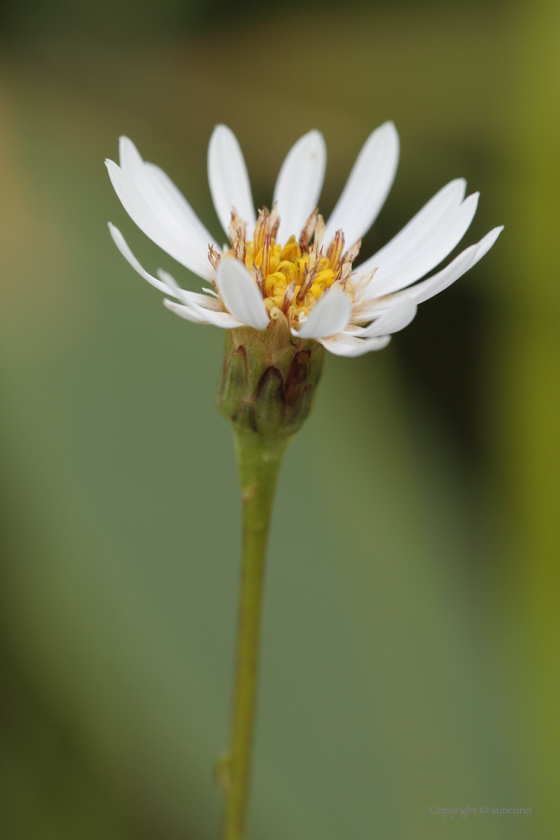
398 315
330 315
367 187
240 294
286 268
299 183
229 179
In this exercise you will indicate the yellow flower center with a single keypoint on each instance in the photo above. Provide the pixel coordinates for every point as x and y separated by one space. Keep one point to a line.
291 277
293 280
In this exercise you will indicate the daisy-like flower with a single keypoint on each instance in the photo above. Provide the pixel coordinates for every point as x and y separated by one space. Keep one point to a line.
284 289
287 268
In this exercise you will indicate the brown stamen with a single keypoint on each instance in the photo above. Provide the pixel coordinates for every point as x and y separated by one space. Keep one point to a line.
288 297
260 230
237 232
307 232
309 273
273 221
214 257
353 252
335 250
319 231
261 281
266 254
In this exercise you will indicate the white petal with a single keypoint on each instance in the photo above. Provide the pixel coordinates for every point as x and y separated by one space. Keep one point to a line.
165 200
421 291
486 243
330 314
121 244
184 311
166 283
159 223
299 183
397 316
420 228
427 255
342 345
186 297
444 278
228 178
203 316
240 294
130 159
178 206
367 187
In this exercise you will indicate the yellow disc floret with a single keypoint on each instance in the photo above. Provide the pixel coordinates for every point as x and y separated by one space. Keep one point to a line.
293 276
293 280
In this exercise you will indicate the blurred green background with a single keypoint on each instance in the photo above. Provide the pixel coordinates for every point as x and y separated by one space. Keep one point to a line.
410 654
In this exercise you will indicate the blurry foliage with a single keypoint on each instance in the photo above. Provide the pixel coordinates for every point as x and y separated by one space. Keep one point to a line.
526 376
122 22
410 598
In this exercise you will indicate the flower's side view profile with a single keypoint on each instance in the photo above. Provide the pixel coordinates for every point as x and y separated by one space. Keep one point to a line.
285 288
288 266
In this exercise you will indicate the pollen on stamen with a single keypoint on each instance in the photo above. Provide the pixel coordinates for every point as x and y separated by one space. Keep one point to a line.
294 275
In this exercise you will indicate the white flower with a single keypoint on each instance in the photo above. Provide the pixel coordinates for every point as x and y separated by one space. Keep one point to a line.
287 265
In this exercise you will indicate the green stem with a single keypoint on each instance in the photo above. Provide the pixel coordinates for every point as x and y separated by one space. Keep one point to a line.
259 459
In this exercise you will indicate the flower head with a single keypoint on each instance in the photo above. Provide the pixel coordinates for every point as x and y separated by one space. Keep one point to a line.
287 269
